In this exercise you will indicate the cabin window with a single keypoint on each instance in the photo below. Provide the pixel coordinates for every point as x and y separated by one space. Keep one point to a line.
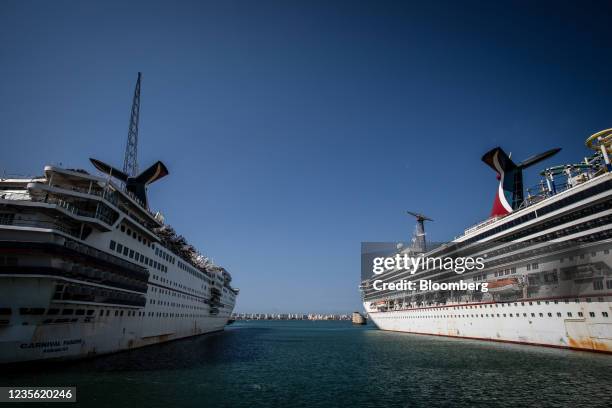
598 285
31 310
6 218
604 314
112 245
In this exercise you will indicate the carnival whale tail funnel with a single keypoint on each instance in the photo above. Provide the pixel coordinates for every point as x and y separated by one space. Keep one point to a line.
509 195
136 185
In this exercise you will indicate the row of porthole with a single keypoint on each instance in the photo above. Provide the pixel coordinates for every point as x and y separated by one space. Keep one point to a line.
559 314
509 304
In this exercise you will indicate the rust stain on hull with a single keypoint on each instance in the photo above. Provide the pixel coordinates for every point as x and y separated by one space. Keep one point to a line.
598 346
588 343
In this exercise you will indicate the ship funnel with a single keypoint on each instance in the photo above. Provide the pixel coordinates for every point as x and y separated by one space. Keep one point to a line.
509 195
135 185
419 243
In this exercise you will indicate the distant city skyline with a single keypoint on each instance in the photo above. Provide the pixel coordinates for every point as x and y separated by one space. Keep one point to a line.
293 131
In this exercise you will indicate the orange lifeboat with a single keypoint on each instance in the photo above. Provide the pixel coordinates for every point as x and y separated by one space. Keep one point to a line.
504 285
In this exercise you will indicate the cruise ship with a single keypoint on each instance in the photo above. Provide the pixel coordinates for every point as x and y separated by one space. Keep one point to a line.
86 268
547 262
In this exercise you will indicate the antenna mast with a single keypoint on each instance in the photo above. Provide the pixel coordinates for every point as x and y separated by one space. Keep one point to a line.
418 242
130 163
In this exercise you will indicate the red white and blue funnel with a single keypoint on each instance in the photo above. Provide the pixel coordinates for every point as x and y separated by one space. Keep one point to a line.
509 195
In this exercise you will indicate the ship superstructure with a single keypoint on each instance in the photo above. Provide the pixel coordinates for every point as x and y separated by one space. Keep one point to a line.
87 268
547 263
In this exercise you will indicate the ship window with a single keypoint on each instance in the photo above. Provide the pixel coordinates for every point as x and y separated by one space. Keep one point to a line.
31 310
533 315
53 311
80 312
134 234
592 314
598 285
112 245
129 231
125 250
108 312
67 312
101 312
119 248
123 228
569 314
579 314
131 253
5 311
604 314
116 313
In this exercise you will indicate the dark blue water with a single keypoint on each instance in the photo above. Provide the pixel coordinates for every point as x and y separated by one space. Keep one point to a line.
330 364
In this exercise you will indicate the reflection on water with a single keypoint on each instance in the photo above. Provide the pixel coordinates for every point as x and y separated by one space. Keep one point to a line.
319 364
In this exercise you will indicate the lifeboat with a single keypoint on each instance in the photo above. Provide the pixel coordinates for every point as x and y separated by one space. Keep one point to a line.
504 285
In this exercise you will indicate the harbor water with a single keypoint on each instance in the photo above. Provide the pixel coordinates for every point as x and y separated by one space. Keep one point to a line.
329 363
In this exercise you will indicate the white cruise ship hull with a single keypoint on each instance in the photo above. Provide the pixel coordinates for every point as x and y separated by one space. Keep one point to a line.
98 335
538 323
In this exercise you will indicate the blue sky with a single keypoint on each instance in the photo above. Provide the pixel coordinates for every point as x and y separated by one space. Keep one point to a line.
294 130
